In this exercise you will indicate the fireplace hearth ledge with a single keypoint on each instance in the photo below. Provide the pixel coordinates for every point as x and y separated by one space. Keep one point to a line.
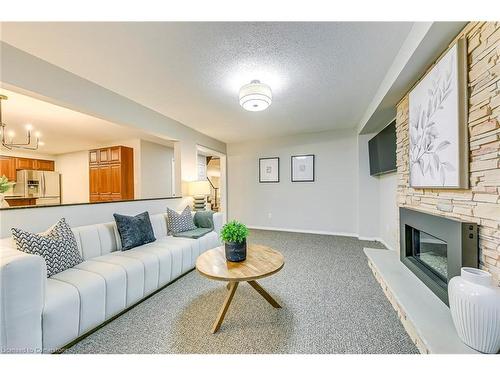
425 317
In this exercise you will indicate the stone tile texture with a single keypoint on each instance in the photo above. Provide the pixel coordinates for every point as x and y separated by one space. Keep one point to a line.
481 202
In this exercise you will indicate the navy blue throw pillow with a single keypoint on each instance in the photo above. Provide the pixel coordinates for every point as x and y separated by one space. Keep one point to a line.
134 230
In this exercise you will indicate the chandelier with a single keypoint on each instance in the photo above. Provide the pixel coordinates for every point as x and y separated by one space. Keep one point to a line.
8 139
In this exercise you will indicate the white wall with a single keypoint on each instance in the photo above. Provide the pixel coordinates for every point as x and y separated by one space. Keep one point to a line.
326 205
377 206
388 211
368 193
156 170
74 170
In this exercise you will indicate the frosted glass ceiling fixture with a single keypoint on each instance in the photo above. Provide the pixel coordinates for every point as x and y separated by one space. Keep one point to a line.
255 96
9 143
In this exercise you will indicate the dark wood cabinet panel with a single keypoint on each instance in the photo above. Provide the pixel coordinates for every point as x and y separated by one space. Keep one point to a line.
112 176
8 167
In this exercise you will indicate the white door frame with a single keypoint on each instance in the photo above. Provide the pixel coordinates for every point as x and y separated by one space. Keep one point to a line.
223 176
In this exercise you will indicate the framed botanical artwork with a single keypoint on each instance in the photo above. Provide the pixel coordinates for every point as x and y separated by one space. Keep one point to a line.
269 169
302 168
438 124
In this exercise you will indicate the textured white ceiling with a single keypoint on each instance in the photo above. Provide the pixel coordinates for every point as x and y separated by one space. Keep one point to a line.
323 75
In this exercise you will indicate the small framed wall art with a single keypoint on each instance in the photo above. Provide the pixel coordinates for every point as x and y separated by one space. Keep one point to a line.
269 169
303 168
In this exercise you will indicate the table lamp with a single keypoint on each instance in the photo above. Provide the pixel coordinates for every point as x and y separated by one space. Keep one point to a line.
199 190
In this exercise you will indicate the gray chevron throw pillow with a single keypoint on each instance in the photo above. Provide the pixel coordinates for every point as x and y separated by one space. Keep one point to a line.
57 246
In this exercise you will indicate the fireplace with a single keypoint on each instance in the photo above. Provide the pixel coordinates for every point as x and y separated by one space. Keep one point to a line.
434 248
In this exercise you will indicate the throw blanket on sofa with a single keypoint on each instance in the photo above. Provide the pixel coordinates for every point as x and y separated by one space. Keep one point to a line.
204 221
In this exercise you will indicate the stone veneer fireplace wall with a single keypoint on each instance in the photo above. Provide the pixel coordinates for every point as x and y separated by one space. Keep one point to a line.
481 202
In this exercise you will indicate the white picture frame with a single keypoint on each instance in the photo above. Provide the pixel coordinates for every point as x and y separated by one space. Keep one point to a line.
438 144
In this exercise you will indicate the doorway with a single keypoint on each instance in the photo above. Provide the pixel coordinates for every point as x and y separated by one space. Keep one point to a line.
212 167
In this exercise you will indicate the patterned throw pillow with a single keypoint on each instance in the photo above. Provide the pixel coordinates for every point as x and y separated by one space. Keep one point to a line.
57 246
134 230
180 222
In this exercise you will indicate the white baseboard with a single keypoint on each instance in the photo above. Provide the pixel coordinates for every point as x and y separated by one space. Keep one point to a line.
378 239
344 234
309 231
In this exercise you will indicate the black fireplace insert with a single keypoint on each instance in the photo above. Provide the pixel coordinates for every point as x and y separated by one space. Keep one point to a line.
434 247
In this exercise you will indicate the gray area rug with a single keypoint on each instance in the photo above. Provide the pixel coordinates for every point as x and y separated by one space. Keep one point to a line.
331 304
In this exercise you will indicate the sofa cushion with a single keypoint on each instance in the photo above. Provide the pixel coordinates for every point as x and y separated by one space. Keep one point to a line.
150 264
134 270
195 233
134 230
180 222
61 315
91 288
57 246
116 284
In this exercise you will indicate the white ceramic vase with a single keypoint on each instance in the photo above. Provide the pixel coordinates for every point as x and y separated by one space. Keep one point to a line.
475 309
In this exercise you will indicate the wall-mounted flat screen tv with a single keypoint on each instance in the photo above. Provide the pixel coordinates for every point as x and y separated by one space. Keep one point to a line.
382 150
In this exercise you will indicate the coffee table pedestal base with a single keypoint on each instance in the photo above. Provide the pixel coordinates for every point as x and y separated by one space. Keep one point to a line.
232 286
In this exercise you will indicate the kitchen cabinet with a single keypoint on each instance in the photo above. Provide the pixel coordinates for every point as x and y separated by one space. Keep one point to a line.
93 157
111 174
8 167
25 163
43 165
16 202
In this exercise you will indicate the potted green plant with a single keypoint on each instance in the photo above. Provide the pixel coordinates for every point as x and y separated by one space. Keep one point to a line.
4 186
234 234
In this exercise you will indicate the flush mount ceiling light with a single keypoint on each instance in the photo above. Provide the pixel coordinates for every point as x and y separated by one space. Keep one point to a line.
255 96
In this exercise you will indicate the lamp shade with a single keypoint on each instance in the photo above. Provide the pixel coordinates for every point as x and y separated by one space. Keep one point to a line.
255 96
199 188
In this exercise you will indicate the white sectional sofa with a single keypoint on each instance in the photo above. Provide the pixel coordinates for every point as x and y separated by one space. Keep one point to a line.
40 314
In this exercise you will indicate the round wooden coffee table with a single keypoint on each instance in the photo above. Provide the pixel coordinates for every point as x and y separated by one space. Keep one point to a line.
261 261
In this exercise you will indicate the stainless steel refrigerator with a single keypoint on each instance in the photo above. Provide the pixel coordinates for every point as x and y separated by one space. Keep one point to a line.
45 186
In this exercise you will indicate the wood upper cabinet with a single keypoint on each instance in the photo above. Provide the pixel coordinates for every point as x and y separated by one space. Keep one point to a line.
43 165
111 172
114 154
25 163
103 155
8 167
93 157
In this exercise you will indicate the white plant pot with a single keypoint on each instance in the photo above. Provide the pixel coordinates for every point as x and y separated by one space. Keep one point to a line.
475 309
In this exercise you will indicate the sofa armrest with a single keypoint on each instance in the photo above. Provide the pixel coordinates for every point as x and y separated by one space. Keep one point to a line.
218 222
22 292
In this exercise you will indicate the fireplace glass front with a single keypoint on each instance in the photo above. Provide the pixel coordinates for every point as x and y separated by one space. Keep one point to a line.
431 252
